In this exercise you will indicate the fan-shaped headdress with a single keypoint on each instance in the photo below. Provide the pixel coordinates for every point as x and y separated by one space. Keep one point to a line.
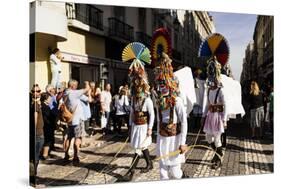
139 55
216 48
161 42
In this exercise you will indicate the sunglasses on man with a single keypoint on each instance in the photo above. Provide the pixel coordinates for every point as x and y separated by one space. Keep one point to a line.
37 91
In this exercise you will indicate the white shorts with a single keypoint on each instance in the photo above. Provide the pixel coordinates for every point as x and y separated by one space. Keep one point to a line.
173 172
214 138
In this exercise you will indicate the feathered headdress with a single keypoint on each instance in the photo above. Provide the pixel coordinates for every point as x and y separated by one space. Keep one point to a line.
161 42
139 55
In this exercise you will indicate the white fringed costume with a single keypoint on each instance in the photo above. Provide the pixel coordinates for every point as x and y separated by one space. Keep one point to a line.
139 132
142 112
165 145
213 126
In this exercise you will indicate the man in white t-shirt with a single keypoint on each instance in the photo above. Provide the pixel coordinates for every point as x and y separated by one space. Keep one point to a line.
73 99
106 99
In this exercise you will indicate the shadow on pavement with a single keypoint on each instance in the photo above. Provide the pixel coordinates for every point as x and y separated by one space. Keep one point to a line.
55 182
238 148
260 166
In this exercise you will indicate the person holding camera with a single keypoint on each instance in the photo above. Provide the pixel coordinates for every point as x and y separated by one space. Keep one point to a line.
55 62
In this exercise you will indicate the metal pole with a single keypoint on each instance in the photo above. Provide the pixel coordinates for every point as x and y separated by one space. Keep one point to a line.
102 84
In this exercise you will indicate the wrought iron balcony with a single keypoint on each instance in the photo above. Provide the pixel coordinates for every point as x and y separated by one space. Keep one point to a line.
120 29
87 14
143 38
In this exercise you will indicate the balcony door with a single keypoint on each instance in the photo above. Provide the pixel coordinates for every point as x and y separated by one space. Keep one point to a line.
83 73
119 13
142 20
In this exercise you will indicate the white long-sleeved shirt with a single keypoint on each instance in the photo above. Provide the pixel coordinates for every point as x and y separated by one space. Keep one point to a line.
212 96
106 99
55 63
119 103
179 117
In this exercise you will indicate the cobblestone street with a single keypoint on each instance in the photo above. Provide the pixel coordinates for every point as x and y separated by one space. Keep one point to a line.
242 156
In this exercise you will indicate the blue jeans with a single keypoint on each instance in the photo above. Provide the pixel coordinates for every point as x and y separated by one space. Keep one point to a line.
39 141
107 116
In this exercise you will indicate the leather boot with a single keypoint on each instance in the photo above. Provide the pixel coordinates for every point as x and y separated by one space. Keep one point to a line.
223 138
218 160
149 164
129 175
214 148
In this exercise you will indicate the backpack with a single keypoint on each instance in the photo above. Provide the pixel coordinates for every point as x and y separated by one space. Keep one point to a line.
65 114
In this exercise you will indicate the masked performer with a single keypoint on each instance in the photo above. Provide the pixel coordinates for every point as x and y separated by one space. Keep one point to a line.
142 112
172 121
214 116
216 48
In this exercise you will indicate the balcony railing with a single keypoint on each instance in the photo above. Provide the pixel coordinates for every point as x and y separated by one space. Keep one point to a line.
120 29
87 14
143 38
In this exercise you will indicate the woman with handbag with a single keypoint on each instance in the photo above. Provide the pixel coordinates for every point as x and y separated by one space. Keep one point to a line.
122 106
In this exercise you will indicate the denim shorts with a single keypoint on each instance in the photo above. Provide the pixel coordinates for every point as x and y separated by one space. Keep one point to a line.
75 131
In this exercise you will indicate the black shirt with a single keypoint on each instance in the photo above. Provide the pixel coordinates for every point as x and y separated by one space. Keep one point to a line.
256 101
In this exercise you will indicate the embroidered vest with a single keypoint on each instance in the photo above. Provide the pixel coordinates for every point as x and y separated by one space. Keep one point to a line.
169 129
215 107
140 117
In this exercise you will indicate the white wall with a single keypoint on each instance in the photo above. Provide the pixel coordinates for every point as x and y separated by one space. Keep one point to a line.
49 18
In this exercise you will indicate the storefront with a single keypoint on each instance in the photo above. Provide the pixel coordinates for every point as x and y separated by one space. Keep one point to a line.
82 67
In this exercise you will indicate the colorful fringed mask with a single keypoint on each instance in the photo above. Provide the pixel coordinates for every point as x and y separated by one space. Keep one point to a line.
139 55
213 73
166 83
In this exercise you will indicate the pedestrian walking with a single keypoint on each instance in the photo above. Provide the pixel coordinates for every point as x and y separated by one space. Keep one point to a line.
53 104
106 99
214 111
257 110
73 102
49 120
36 131
127 117
199 91
92 105
98 107
121 103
